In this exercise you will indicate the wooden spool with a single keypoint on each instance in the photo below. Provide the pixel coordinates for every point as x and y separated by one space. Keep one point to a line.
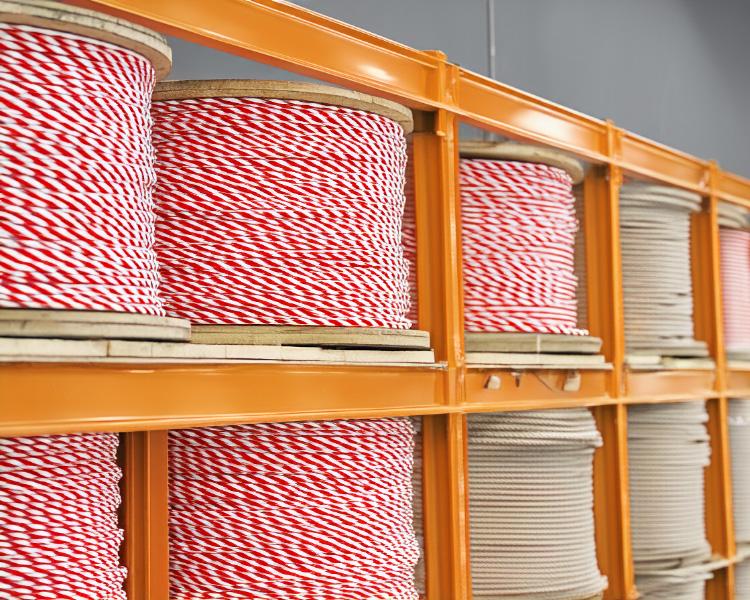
74 324
523 153
284 335
528 343
284 90
92 24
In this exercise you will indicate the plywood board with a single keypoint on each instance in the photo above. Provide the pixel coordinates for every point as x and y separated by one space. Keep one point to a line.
283 335
74 324
532 343
548 361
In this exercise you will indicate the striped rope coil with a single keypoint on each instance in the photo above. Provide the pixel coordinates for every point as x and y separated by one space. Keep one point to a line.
668 448
279 212
293 510
739 440
657 284
531 498
735 280
417 474
59 497
518 228
77 221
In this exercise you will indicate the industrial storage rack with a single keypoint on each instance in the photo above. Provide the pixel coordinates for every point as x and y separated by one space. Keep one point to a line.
146 400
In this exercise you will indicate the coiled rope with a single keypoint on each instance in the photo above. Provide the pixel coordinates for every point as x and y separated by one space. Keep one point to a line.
657 284
668 448
734 238
739 440
531 497
280 212
59 497
303 510
77 222
518 227
742 580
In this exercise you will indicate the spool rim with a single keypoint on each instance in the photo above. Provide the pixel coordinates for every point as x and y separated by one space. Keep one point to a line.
57 16
186 89
516 151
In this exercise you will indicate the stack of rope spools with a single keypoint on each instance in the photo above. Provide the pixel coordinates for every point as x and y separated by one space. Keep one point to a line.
531 505
669 449
519 230
76 234
657 284
282 204
303 510
734 235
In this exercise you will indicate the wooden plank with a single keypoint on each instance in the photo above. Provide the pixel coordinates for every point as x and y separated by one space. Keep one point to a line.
285 335
532 343
74 324
113 351
550 361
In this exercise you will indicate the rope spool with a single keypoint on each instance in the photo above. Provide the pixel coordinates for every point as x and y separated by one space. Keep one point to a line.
280 203
531 499
657 284
742 580
734 237
304 510
59 497
518 227
77 223
668 448
739 440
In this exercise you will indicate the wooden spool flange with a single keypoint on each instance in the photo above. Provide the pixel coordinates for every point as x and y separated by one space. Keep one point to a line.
92 24
284 90
523 153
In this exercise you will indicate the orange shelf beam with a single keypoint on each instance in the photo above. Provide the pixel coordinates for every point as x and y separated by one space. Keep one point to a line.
59 398
668 386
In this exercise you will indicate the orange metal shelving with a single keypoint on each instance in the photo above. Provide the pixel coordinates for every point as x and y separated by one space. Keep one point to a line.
148 399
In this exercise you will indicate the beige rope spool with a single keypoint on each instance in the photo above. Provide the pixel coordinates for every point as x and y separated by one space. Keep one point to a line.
742 580
530 481
739 440
668 451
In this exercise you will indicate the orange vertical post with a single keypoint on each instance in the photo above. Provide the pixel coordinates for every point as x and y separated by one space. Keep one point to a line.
437 207
146 515
606 320
709 326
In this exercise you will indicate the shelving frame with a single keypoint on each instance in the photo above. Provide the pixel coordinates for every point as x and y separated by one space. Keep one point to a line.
147 400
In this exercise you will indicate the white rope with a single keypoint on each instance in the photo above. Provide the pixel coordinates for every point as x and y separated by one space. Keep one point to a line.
668 449
657 284
532 526
742 580
734 237
739 439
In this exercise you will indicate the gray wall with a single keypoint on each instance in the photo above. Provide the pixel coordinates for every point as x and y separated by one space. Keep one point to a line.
673 70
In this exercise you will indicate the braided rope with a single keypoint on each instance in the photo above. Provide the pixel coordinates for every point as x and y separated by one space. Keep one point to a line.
518 223
668 449
531 495
742 580
76 222
739 439
303 510
735 280
59 498
280 212
657 283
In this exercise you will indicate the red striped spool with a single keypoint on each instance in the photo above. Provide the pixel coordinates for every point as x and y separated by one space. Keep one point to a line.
77 226
280 204
304 510
518 227
734 237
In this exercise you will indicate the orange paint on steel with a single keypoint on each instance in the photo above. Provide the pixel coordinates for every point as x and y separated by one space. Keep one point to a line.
146 515
62 398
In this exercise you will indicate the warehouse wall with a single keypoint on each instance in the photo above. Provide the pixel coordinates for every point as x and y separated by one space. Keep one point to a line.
673 70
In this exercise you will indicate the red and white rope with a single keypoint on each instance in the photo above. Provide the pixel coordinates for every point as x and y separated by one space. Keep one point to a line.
519 225
280 212
735 279
305 510
76 221
59 535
